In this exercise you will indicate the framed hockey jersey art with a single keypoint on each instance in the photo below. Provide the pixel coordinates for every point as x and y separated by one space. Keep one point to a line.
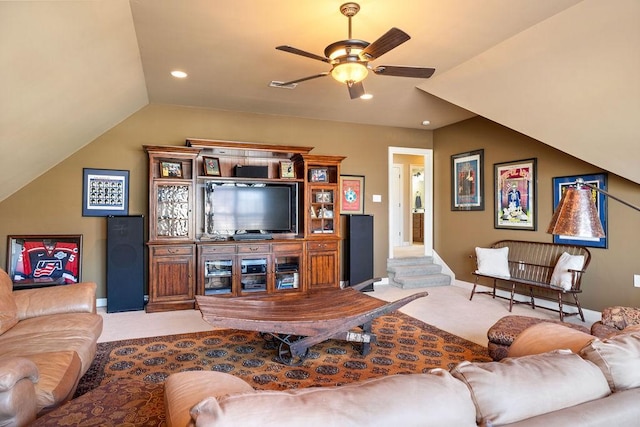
44 260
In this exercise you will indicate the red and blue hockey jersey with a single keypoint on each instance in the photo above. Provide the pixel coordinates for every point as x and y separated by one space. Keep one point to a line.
57 262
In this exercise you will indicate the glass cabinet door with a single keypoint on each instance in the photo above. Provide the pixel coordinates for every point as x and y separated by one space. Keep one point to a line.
218 276
253 274
173 212
321 215
287 268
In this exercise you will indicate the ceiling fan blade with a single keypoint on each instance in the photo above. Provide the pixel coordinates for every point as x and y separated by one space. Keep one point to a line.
392 70
389 40
326 73
356 90
296 51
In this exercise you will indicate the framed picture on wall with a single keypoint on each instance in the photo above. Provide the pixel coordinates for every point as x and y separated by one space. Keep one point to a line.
516 198
560 185
352 194
467 181
105 192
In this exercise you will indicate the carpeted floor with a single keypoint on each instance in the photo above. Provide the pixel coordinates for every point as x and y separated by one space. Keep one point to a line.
124 383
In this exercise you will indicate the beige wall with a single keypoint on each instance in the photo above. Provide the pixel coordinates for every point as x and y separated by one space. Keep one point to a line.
609 280
52 203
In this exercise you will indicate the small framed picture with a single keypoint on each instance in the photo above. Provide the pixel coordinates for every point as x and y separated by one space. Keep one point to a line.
286 169
318 175
170 169
211 166
323 197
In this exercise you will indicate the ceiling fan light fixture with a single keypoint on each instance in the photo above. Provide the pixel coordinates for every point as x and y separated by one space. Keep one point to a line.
349 72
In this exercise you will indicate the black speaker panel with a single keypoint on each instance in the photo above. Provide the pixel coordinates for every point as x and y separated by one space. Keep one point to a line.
125 263
358 250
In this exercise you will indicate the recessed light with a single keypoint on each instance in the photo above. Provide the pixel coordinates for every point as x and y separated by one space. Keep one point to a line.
179 74
426 123
366 96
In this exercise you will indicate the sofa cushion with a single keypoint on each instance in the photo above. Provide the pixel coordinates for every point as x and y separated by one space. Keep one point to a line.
512 389
619 359
545 337
8 308
59 373
561 276
183 390
82 341
493 262
404 400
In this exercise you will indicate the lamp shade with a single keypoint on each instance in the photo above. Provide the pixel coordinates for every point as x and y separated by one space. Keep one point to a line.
576 215
349 72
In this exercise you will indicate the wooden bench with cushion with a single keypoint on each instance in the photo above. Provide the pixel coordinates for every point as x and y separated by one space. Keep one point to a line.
556 268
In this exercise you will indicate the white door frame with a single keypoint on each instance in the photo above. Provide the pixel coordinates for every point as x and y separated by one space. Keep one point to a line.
396 206
428 193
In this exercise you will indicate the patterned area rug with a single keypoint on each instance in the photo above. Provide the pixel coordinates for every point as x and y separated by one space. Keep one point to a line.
126 376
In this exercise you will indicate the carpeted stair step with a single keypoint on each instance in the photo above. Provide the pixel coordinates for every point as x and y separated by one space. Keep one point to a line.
392 262
415 269
423 281
415 272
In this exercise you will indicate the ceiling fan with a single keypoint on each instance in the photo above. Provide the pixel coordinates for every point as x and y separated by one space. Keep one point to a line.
349 59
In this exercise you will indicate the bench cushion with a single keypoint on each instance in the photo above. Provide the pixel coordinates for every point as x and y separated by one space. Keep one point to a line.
493 262
561 276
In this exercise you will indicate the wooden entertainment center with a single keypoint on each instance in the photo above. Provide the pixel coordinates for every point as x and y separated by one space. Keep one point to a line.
198 191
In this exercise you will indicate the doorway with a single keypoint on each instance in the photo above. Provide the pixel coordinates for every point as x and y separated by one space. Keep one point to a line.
410 202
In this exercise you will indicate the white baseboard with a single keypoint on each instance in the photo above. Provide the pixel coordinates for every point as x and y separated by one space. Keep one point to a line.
590 316
101 302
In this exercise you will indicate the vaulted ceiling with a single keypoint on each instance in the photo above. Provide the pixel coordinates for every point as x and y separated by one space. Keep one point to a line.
561 71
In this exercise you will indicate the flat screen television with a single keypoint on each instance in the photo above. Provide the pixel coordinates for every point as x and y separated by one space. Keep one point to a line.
233 208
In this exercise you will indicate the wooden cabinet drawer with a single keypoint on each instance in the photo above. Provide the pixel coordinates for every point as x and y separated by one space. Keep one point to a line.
172 250
287 247
322 246
217 249
254 248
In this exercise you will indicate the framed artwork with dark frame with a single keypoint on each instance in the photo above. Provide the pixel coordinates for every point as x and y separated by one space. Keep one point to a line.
44 260
516 195
105 192
467 181
211 166
351 194
599 180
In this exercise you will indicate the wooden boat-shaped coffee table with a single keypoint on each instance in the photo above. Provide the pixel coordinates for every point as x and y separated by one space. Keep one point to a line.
298 321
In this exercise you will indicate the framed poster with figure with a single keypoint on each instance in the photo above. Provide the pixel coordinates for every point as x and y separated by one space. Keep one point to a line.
516 198
467 181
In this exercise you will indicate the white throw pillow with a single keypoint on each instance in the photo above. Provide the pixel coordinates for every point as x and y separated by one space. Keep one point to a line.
561 276
493 262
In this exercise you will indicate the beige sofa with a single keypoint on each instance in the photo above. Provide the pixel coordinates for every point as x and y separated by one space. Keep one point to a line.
598 386
48 340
